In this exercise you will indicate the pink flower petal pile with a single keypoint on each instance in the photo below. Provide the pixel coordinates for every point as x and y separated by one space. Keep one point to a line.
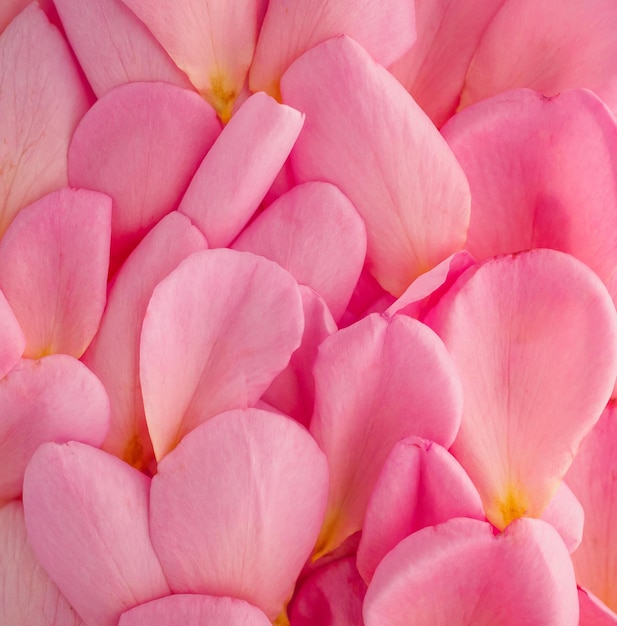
308 313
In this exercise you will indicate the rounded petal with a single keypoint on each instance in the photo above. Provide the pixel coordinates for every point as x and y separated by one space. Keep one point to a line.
565 514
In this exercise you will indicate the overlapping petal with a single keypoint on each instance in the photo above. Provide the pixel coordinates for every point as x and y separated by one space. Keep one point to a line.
13 340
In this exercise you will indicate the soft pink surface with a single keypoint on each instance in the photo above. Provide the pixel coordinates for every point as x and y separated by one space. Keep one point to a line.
13 340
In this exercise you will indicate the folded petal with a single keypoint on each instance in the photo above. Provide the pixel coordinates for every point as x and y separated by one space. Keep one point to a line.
217 331
237 172
384 154
42 101
534 338
13 340
237 506
84 506
565 514
593 611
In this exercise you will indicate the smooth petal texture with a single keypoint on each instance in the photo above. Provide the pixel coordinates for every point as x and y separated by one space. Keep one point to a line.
114 47
556 46
386 30
315 233
41 102
593 479
332 596
54 399
212 41
421 484
535 376
365 134
460 573
194 610
53 270
85 506
217 331
114 354
542 175
141 144
237 172
13 340
408 387
236 508
565 514
30 598
593 611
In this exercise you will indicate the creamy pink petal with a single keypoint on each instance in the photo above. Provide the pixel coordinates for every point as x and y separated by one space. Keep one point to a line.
460 573
593 611
30 598
54 399
534 338
385 155
114 354
316 234
217 332
53 270
237 172
13 340
114 47
194 610
377 382
141 144
565 514
87 519
331 596
43 99
237 506
593 479
421 484
385 29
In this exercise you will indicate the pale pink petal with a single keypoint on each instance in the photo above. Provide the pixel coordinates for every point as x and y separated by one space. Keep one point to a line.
565 513
30 598
237 172
593 479
460 573
13 340
194 610
385 29
53 270
43 99
534 338
593 611
54 399
217 331
87 520
365 134
315 233
237 506
113 46
377 382
141 144
556 45
331 596
421 484
212 41
114 354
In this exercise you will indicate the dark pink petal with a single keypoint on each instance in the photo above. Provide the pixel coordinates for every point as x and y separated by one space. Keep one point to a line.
565 514
376 382
13 340
315 233
384 154
421 484
141 144
217 331
114 354
87 520
331 596
113 46
385 29
593 611
30 598
43 99
194 610
534 338
237 506
54 399
460 573
237 172
53 270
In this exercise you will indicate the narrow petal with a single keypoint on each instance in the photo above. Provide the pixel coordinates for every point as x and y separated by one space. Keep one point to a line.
384 154
84 506
217 331
13 340
565 514
593 611
237 506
